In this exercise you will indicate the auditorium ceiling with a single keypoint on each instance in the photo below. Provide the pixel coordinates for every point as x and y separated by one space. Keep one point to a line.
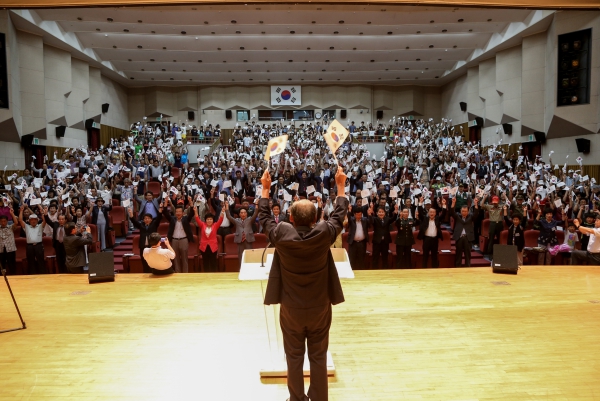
279 43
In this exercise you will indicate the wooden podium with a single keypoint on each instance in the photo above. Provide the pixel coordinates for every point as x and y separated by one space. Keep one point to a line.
275 365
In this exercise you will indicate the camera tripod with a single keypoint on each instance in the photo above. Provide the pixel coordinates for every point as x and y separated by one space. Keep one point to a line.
15 302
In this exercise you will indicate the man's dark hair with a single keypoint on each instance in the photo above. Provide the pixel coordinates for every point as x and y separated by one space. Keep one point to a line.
179 207
464 207
276 205
153 239
149 192
148 215
302 214
69 227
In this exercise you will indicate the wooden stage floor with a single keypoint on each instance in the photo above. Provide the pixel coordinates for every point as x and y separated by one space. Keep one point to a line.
447 334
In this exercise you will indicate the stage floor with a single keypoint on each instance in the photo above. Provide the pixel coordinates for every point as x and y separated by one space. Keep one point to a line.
446 334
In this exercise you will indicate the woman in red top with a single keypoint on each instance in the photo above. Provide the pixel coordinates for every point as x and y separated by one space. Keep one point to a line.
208 239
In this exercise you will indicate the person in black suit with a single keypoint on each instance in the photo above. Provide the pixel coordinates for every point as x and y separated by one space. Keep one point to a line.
180 234
75 247
358 236
381 236
404 239
58 236
148 226
464 231
430 232
304 280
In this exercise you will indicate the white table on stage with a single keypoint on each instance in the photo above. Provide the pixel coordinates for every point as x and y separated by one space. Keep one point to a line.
251 269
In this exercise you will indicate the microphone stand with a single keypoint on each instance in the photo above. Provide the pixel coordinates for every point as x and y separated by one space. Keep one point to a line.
262 259
15 302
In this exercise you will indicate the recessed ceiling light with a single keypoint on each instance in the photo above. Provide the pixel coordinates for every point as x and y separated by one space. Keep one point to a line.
196 38
125 30
242 48
461 20
340 22
109 19
233 21
389 33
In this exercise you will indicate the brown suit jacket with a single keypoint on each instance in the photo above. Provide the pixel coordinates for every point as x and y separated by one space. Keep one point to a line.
303 273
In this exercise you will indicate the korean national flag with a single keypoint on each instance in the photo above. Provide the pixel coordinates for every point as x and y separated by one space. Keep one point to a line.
285 95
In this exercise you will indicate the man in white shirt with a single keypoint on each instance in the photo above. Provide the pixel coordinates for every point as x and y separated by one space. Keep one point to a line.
35 248
590 256
158 258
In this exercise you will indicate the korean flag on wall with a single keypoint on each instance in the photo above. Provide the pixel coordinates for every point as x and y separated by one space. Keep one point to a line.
286 95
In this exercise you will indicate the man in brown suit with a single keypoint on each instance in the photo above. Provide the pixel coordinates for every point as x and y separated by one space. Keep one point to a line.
306 287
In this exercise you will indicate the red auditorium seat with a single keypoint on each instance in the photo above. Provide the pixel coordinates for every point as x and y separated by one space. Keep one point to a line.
49 256
118 221
133 264
154 187
484 237
95 247
21 256
230 259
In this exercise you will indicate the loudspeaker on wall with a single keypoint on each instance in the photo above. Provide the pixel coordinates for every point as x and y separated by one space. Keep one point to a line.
479 121
342 113
228 114
540 136
60 131
105 107
379 114
583 145
191 115
89 123
507 128
26 140
463 106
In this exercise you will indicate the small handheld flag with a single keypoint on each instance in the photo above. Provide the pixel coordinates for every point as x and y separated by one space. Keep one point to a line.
335 136
276 146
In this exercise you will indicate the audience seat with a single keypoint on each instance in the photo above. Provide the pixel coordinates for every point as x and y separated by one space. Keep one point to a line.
49 256
21 256
133 264
163 229
118 221
531 236
484 237
95 247
154 187
230 258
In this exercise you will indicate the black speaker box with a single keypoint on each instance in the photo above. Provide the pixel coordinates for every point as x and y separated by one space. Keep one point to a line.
379 114
583 145
540 136
228 114
60 131
101 267
505 259
507 128
191 115
342 113
105 107
26 140
479 121
463 106
88 123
